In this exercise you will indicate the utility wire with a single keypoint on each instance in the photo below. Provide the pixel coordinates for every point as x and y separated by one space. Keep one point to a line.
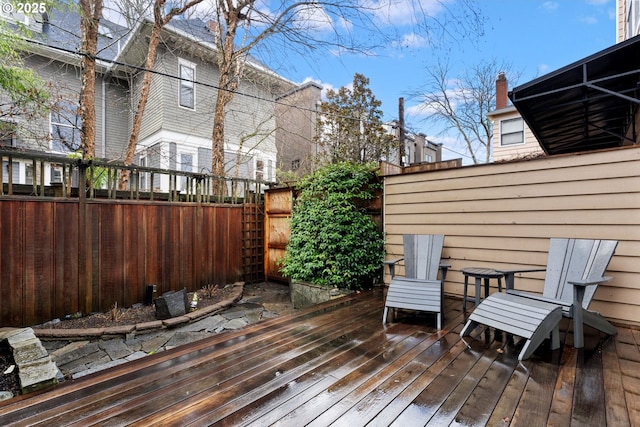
171 76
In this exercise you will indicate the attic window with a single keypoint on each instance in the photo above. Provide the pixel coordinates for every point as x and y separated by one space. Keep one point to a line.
65 127
187 90
512 131
105 31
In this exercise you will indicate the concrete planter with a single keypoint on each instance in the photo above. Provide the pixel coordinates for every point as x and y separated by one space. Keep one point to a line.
305 294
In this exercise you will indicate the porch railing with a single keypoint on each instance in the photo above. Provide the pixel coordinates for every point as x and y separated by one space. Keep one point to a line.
50 175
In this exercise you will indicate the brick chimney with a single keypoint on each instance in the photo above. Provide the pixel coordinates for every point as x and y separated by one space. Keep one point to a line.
212 26
501 91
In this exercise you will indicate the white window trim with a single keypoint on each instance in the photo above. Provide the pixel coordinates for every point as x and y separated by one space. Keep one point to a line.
524 139
189 64
263 171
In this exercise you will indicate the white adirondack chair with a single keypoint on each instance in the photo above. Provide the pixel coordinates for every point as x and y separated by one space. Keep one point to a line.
575 268
420 288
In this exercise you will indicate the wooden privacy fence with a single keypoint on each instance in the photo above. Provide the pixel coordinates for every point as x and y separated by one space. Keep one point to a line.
74 243
60 257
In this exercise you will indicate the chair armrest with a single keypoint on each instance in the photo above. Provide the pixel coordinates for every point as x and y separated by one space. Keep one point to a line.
443 271
509 275
580 285
392 265
590 282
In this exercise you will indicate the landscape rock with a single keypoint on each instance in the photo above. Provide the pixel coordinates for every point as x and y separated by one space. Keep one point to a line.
172 304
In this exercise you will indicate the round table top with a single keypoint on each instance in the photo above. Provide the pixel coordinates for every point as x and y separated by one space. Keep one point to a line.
481 272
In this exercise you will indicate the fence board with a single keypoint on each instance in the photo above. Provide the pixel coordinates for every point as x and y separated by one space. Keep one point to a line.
11 263
134 244
68 289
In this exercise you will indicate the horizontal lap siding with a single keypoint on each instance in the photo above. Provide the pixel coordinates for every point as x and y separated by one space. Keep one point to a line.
502 215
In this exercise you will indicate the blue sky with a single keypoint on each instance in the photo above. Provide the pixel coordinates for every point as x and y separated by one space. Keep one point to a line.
535 36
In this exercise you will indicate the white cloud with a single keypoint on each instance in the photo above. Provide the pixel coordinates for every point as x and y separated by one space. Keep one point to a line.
589 20
417 111
550 6
411 40
325 86
543 69
403 12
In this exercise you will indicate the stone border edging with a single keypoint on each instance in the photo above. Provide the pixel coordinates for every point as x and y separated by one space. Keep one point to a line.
142 327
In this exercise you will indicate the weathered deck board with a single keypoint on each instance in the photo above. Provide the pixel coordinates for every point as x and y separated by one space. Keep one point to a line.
336 363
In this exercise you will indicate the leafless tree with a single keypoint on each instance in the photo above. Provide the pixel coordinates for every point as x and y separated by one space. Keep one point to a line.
244 26
160 19
132 11
461 103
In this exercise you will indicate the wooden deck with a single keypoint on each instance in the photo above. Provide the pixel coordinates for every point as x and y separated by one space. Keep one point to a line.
336 364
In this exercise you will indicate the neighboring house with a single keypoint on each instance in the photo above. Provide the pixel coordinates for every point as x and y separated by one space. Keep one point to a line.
627 19
178 120
512 137
417 148
597 111
51 53
296 121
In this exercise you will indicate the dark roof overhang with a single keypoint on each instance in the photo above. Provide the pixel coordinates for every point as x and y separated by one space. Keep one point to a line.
588 105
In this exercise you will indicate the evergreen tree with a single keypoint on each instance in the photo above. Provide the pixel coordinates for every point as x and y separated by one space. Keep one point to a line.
350 125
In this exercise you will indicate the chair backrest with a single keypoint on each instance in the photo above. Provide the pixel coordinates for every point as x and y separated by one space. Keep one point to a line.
422 253
576 259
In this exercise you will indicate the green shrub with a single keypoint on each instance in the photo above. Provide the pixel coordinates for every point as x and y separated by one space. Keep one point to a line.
333 241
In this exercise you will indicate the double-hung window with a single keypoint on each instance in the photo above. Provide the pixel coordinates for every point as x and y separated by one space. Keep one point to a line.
512 131
186 165
259 170
8 133
187 92
65 127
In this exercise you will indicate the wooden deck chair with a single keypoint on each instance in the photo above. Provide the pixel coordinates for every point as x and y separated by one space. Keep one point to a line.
420 288
575 267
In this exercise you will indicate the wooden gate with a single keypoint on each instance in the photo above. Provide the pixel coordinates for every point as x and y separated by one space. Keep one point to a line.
278 203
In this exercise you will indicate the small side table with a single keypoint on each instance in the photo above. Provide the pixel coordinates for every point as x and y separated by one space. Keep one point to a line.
479 273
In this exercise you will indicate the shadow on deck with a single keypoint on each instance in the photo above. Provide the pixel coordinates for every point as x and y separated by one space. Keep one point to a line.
337 363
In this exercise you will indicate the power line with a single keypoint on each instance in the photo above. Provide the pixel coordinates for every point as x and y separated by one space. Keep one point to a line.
174 77
171 76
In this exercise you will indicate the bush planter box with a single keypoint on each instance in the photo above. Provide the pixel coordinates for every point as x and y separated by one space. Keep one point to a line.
306 294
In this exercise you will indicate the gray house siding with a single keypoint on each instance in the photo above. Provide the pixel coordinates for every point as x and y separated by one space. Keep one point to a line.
118 124
197 122
63 79
153 118
64 84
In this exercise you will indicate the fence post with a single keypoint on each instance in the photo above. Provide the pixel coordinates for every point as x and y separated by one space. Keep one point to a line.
85 275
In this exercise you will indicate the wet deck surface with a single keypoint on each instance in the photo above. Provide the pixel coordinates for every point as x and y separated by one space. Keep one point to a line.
336 364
